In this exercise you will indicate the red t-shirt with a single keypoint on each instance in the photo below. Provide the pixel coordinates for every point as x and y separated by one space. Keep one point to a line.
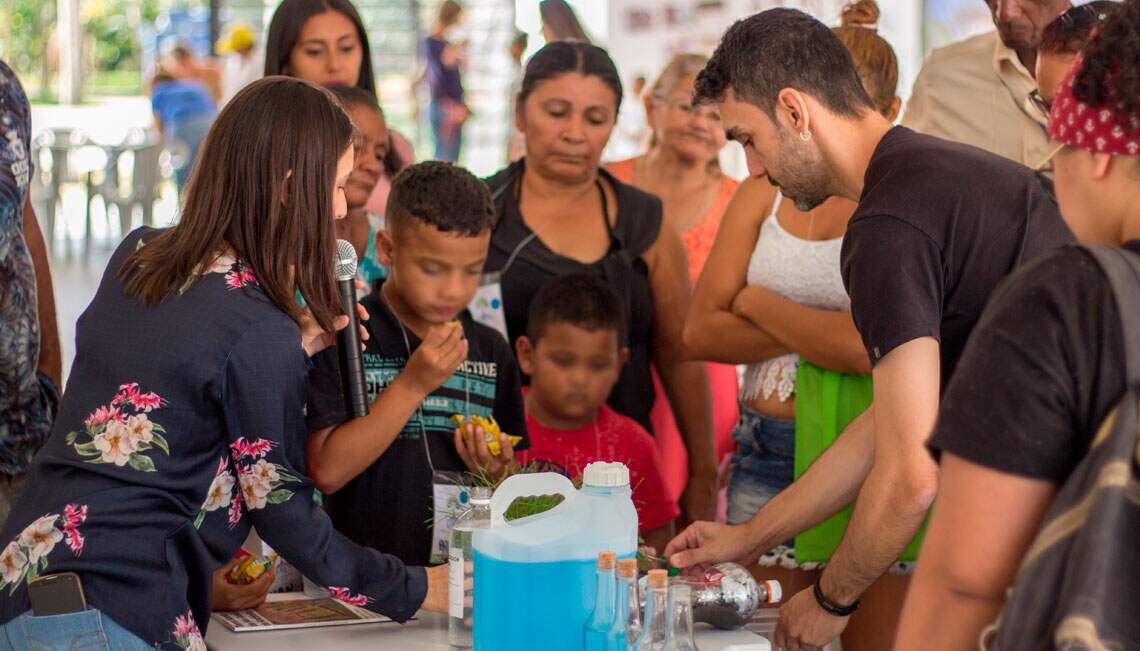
612 437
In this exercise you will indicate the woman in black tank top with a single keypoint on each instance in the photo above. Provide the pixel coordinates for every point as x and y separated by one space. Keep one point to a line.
560 213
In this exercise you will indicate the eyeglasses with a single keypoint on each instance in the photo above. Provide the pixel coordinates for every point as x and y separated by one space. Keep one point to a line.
1042 104
709 112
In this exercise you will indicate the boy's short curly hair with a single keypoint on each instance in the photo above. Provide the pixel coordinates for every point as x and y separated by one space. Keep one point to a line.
580 299
443 195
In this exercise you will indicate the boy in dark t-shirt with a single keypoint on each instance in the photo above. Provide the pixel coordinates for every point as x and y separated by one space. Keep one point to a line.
390 475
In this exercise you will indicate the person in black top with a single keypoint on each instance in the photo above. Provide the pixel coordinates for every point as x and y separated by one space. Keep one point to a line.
937 227
182 425
560 213
1044 367
389 474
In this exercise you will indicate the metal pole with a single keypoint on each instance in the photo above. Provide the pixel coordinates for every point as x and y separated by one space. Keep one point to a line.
215 30
70 52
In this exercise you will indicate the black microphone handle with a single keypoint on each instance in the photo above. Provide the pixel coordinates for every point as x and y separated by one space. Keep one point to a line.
348 351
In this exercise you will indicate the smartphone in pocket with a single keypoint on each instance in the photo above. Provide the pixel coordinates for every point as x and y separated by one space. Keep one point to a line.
56 594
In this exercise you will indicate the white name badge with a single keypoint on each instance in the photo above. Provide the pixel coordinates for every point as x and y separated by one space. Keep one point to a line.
446 507
487 305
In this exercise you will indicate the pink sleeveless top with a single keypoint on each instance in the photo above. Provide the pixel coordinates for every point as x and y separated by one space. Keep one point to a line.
698 239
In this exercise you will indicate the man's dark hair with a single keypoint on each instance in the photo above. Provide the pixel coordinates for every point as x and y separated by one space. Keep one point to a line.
1070 32
580 299
783 48
443 195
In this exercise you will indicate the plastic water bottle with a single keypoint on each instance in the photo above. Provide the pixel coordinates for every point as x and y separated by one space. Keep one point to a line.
680 619
602 618
627 608
655 628
460 575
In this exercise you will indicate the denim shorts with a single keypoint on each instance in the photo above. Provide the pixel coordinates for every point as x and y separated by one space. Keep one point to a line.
762 465
89 630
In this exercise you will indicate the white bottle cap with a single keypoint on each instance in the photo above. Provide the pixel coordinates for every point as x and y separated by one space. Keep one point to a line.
601 474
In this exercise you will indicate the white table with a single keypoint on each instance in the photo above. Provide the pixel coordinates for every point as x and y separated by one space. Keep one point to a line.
428 632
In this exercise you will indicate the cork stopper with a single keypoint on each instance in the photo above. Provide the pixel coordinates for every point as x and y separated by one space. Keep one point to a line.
627 568
606 560
658 579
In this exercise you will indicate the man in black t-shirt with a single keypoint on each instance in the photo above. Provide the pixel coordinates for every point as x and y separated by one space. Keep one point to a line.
937 228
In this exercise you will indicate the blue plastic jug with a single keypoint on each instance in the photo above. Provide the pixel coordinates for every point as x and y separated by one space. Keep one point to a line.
535 576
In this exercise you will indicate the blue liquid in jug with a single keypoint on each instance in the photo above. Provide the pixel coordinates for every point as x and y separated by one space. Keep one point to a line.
552 622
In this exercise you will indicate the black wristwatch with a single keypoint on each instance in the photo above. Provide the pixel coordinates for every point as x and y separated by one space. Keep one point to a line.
830 606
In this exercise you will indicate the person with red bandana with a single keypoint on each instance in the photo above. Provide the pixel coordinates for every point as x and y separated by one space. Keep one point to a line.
1043 369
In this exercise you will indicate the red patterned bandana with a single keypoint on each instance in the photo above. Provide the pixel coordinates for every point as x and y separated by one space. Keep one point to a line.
1099 129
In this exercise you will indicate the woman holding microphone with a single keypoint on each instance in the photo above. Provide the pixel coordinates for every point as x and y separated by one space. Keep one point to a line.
183 421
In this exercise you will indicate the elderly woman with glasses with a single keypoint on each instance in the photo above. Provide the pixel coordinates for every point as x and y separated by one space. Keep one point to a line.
681 168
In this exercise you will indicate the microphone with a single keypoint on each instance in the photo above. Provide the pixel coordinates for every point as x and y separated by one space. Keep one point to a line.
348 339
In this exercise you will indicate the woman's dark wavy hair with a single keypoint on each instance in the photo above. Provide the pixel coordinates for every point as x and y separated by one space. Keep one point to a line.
262 185
1111 70
1070 32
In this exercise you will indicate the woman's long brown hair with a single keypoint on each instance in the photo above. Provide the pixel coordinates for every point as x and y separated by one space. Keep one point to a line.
263 186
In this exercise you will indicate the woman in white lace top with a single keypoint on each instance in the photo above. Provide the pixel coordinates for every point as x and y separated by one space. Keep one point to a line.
770 296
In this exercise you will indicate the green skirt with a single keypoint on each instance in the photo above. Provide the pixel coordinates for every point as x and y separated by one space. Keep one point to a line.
826 402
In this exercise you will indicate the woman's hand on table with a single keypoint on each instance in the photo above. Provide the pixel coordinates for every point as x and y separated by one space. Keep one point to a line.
436 599
231 596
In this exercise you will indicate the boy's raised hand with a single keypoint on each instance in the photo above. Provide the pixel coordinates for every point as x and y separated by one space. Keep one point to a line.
472 448
438 357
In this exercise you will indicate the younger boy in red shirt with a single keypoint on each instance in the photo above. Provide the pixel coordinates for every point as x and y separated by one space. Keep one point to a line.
573 353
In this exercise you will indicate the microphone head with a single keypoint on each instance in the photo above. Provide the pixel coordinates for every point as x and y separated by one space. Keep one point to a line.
345 260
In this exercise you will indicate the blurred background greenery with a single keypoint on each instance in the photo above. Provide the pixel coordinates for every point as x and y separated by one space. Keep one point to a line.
111 31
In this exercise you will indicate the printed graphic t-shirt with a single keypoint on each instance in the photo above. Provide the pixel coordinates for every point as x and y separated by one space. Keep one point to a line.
389 505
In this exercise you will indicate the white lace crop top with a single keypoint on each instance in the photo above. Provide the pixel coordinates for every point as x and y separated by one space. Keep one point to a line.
804 271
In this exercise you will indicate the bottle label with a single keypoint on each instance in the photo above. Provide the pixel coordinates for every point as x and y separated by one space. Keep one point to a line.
455 581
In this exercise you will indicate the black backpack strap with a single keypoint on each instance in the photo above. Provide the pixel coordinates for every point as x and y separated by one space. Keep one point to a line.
1122 267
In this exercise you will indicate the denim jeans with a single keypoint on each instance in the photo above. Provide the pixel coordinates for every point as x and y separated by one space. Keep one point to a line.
762 465
89 630
447 140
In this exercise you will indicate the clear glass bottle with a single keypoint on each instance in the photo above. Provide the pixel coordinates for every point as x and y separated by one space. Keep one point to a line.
627 608
680 619
460 576
655 627
602 619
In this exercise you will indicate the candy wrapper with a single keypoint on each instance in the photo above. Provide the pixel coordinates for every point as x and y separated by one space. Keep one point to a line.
491 431
250 568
